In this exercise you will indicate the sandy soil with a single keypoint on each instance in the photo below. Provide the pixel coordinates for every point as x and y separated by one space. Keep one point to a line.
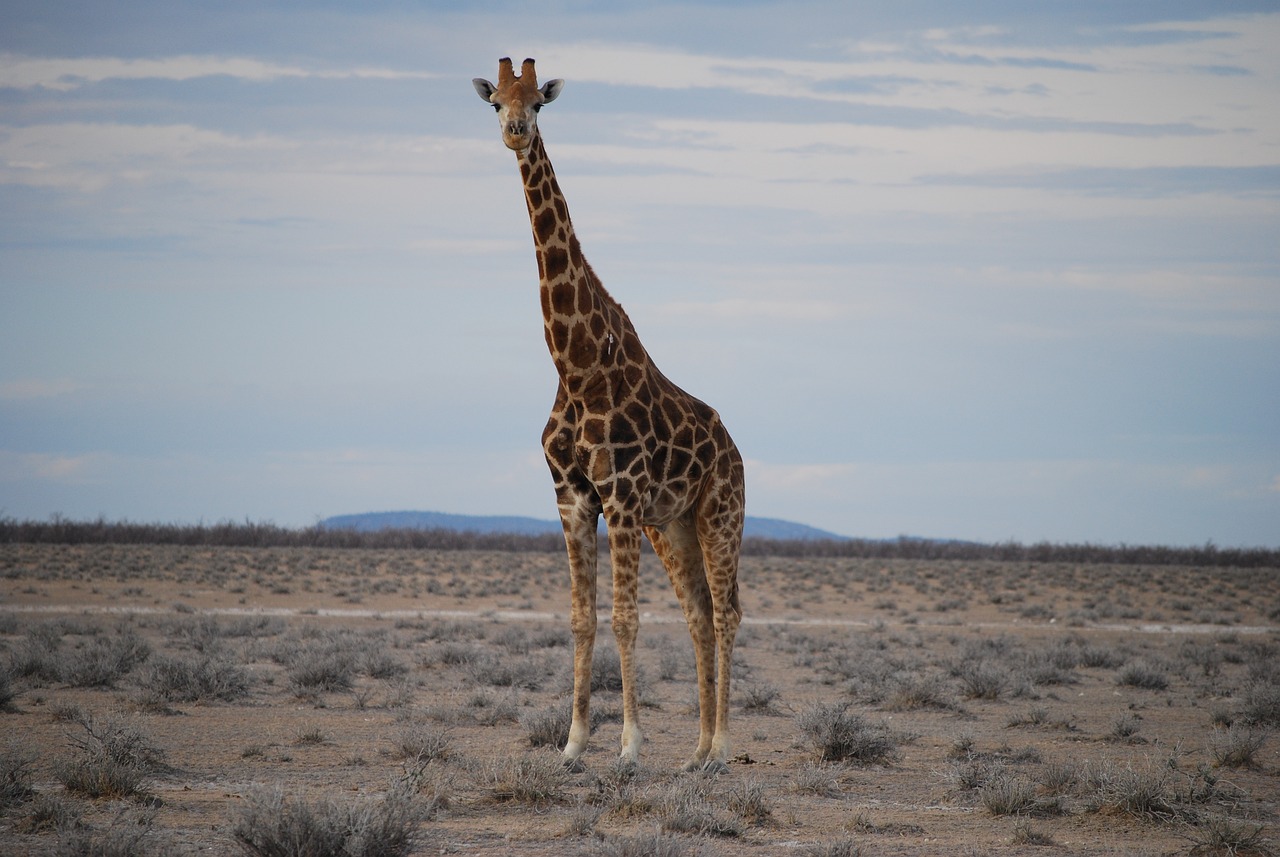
1053 683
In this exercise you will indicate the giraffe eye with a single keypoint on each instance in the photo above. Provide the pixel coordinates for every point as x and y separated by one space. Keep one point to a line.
537 107
497 108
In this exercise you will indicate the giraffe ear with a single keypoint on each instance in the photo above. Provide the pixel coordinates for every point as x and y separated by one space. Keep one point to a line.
484 89
551 89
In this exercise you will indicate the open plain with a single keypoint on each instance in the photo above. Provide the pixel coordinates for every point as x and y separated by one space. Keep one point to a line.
217 700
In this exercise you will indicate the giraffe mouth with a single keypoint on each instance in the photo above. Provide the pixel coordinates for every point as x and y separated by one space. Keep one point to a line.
517 142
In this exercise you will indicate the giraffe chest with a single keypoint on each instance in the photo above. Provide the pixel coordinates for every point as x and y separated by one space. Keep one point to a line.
639 455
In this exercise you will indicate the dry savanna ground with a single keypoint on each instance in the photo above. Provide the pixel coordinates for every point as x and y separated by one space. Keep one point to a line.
272 701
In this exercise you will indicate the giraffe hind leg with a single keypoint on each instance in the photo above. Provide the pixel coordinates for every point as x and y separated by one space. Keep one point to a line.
719 530
677 546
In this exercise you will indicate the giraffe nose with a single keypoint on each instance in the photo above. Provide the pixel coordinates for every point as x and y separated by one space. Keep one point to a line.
517 128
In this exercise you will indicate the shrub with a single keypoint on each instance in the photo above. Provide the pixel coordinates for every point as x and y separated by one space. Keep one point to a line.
983 680
104 663
839 735
749 801
1262 704
7 693
379 663
759 697
323 669
687 808
913 693
839 848
538 779
1004 794
1025 834
270 825
1100 657
1059 777
1143 676
49 812
1236 747
1126 729
548 727
194 679
606 670
421 742
127 836
37 655
816 780
1221 835
1124 790
655 844
15 776
494 670
113 758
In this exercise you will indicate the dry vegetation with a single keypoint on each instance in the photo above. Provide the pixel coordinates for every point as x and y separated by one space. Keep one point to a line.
182 699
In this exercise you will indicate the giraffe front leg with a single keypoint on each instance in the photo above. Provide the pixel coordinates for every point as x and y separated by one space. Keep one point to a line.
624 556
580 539
583 624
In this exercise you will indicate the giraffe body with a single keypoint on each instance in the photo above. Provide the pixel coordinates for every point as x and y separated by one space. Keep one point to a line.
625 442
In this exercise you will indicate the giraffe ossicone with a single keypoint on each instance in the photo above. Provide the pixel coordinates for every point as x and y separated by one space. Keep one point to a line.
625 442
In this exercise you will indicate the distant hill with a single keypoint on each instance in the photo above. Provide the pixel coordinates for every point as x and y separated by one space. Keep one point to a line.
763 528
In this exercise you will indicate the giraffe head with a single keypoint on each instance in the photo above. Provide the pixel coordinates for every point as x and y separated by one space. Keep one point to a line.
517 100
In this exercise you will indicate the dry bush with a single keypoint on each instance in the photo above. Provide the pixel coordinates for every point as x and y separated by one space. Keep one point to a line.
1236 747
1261 704
321 669
817 780
654 844
1145 793
421 742
15 776
687 807
7 693
112 759
839 735
984 680
759 697
37 657
912 693
270 825
749 801
1220 835
536 779
1007 795
104 663
1058 778
1025 834
50 813
1144 676
207 677
128 835
548 727
495 670
838 848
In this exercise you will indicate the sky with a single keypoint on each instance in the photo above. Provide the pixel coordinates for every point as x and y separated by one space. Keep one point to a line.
987 270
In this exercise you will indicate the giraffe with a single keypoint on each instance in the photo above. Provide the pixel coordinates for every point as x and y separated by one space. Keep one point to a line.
624 442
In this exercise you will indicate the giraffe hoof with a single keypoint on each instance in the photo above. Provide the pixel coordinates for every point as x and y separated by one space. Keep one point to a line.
574 765
697 763
715 767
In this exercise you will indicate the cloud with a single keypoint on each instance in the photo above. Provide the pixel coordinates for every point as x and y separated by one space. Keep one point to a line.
66 74
37 388
740 309
46 467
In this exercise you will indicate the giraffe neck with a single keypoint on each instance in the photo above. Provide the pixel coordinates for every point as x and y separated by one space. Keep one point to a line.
587 331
